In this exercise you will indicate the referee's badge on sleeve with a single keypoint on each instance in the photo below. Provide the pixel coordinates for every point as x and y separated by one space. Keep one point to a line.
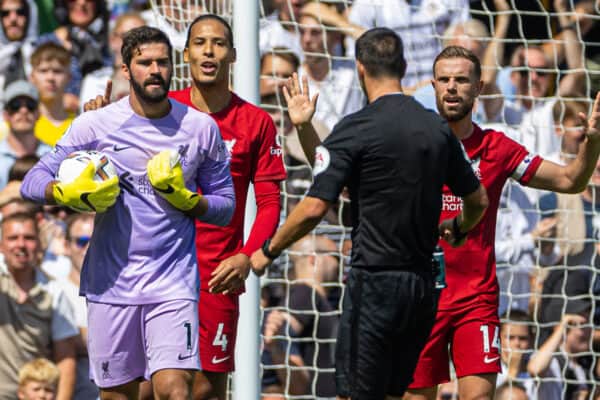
321 160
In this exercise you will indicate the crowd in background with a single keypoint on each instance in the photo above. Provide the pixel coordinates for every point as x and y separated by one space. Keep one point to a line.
540 68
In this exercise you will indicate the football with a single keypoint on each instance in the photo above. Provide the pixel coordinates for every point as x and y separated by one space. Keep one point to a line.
72 166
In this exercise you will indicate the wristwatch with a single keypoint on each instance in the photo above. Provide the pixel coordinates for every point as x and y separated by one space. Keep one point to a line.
266 252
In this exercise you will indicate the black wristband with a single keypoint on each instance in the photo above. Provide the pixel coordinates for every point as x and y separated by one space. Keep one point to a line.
266 252
458 235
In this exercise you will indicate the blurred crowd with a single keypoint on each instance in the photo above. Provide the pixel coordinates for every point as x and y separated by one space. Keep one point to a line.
541 68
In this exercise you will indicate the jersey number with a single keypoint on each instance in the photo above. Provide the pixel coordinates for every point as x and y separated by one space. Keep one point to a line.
220 338
188 331
486 338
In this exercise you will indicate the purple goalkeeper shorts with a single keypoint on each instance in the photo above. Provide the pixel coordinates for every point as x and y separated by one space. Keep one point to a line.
130 342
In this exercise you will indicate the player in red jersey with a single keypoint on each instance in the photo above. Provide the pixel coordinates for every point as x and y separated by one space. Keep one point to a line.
250 136
467 317
256 157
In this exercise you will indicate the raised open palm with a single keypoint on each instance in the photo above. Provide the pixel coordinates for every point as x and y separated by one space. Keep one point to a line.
301 107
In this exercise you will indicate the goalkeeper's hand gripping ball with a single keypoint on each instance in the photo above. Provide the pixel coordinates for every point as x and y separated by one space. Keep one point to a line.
166 177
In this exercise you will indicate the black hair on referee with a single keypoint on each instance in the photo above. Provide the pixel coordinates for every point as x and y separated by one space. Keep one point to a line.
143 35
459 52
381 52
214 17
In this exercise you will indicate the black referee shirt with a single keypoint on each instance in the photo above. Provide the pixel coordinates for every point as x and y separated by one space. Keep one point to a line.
394 156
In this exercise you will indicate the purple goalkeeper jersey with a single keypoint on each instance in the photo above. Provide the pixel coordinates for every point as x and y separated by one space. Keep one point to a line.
142 250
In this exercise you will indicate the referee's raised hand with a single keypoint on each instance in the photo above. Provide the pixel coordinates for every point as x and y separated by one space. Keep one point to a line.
301 107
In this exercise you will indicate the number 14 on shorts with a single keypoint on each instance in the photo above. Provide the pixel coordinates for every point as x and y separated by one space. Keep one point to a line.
487 344
220 338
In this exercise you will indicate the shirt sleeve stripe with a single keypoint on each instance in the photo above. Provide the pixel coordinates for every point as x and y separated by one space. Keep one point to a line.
527 168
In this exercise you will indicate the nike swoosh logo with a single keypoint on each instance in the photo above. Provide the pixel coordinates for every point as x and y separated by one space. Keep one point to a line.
216 360
84 198
490 360
117 148
180 357
168 190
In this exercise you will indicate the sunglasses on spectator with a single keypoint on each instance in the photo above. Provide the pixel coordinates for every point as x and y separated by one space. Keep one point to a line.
15 105
525 72
81 241
22 12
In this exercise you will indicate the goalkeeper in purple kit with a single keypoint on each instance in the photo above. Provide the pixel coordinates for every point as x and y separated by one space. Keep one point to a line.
140 275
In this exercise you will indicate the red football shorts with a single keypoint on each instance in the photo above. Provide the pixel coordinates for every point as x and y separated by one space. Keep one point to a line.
218 317
470 335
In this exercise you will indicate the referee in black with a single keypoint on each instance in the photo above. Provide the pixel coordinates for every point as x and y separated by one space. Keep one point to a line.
394 156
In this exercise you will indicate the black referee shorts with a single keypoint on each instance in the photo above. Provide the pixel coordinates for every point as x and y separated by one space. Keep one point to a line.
386 320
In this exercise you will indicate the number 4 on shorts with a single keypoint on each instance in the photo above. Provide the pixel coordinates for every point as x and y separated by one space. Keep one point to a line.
220 338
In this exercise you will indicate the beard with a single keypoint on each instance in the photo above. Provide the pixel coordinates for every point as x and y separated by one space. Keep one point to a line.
458 112
155 96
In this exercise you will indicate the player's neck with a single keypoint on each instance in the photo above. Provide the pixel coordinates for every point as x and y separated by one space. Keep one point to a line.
463 128
210 99
149 110
377 88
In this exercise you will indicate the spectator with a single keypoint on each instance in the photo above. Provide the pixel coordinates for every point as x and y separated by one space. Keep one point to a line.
94 83
21 113
473 35
275 68
21 167
512 391
19 30
173 17
83 31
562 359
79 231
519 231
285 371
516 339
280 28
532 77
38 380
38 318
311 318
333 79
420 26
50 75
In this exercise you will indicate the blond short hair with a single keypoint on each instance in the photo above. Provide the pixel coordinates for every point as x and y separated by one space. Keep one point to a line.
39 370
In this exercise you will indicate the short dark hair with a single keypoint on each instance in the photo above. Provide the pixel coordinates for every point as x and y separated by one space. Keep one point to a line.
21 167
72 219
459 52
284 53
381 52
214 17
518 317
142 35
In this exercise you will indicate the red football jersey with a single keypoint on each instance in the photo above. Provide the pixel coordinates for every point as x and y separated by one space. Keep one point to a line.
251 138
471 268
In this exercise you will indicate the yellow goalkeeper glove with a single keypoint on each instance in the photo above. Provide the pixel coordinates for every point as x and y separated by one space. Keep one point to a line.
85 194
166 176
